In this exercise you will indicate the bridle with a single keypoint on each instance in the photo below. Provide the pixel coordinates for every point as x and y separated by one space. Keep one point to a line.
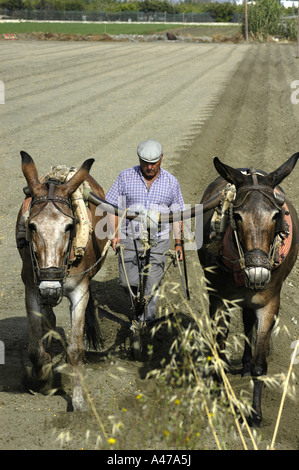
256 257
52 273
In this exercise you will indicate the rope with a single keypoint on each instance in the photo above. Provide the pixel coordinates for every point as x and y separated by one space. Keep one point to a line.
120 248
95 264
171 253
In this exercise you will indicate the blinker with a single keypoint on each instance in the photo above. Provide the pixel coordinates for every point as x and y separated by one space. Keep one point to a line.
280 197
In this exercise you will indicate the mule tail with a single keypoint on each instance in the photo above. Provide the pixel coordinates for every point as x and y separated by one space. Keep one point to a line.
92 330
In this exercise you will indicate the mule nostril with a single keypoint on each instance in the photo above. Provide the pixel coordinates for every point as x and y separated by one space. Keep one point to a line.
50 292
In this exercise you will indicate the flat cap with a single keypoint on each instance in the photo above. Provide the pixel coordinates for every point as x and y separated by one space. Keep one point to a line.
149 151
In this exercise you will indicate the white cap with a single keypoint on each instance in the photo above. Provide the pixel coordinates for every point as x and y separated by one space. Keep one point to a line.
149 151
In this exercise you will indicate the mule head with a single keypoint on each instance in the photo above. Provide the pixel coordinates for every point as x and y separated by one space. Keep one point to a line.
51 227
258 216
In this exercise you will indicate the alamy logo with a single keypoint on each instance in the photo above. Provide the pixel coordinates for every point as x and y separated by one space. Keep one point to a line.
2 93
295 354
148 219
2 353
295 94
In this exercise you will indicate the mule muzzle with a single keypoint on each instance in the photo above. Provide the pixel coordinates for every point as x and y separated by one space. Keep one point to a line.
50 292
257 270
50 285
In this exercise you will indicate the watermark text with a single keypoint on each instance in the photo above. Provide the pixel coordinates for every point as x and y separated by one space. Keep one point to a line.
295 354
189 221
2 93
2 353
295 94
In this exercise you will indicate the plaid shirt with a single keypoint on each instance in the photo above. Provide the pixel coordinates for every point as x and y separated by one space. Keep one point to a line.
130 191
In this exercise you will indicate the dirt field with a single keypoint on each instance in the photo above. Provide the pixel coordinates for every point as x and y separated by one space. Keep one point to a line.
65 102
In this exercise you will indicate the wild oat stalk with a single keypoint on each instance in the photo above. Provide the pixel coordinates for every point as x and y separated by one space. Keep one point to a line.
200 363
202 339
284 394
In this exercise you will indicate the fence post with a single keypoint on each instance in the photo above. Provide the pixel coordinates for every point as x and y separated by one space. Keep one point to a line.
246 20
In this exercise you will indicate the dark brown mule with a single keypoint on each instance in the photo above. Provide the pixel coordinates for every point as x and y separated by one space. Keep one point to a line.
48 275
257 222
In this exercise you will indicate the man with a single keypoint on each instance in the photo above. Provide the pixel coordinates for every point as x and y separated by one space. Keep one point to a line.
146 188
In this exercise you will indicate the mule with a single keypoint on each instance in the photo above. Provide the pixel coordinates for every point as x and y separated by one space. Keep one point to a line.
258 249
49 273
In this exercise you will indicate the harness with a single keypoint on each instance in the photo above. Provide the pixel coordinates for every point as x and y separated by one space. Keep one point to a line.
52 273
230 254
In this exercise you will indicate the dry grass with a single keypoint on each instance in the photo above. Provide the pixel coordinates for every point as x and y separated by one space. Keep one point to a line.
194 405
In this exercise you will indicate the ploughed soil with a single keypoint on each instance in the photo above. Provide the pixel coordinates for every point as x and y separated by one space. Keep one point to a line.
252 122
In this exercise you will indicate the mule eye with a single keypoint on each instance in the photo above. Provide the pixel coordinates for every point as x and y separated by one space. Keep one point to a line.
69 227
275 216
237 216
32 227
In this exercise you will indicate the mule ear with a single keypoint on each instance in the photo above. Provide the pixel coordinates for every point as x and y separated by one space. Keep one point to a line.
30 173
283 171
70 186
228 173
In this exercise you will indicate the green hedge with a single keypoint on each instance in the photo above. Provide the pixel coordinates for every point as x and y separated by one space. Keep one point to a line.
221 12
266 18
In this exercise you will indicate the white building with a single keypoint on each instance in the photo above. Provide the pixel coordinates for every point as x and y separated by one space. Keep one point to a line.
289 3
284 3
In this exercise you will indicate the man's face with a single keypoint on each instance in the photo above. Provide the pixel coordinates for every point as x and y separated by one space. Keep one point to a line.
150 170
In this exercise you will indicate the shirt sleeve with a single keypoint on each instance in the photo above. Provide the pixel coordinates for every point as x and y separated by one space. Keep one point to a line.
178 200
115 192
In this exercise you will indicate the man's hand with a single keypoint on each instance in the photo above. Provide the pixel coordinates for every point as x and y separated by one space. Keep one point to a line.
179 249
114 242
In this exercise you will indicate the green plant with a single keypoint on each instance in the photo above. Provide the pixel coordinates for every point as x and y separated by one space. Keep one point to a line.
289 29
221 12
264 18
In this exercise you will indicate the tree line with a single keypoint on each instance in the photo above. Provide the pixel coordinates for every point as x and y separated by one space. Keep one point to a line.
221 11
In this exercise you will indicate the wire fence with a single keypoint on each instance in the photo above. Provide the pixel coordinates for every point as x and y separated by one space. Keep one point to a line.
100 16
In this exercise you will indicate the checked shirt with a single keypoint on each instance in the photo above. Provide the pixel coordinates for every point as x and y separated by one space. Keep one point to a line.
130 191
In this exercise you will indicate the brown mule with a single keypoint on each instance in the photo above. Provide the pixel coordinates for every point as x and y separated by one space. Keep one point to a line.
49 273
263 232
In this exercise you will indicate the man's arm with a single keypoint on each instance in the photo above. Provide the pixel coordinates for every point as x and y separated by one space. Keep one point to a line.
178 233
178 238
113 230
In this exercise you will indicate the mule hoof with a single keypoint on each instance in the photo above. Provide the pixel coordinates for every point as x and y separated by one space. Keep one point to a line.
246 374
255 420
78 402
246 371
78 405
38 381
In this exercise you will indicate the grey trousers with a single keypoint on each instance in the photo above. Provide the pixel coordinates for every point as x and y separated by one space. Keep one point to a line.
154 271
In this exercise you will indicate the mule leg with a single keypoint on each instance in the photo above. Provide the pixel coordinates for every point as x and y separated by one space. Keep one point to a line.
218 312
249 319
49 324
40 359
266 318
78 299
